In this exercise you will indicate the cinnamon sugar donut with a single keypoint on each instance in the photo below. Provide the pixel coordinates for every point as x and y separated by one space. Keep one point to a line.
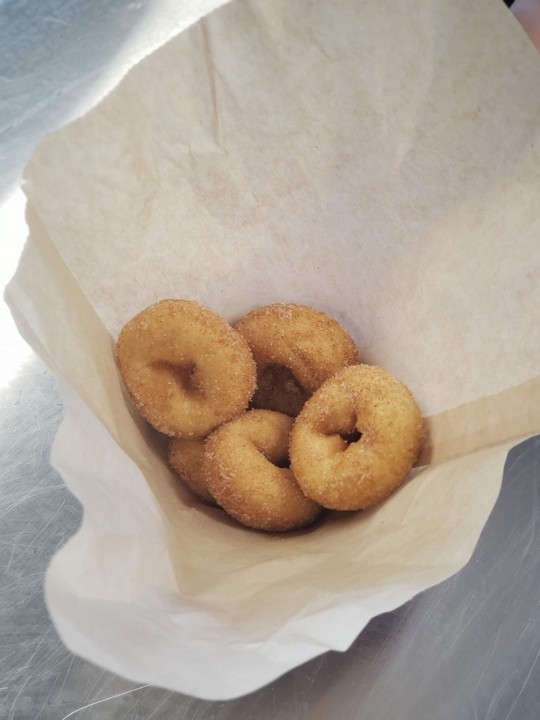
185 368
356 439
296 349
185 457
246 467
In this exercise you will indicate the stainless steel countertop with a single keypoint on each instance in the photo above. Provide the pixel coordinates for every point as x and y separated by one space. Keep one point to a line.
468 648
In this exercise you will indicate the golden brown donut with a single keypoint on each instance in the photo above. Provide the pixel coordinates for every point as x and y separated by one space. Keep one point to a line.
185 457
356 439
246 466
296 349
185 368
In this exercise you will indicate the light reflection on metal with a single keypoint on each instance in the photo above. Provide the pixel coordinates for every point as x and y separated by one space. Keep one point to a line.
13 350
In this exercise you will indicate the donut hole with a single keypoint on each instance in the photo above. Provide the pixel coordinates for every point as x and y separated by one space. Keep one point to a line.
184 375
283 463
341 435
341 428
351 437
277 458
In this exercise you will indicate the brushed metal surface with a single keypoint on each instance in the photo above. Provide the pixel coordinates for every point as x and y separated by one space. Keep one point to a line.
52 56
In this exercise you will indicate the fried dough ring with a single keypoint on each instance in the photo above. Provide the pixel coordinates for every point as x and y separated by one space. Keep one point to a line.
185 368
185 457
335 468
296 349
245 463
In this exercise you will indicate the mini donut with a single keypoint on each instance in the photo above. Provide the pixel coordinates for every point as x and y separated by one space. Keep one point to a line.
185 457
356 439
246 466
185 368
296 349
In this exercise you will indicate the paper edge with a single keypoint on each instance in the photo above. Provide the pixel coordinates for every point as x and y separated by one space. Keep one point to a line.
488 421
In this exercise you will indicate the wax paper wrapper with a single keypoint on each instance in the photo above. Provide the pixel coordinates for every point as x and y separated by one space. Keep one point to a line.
378 161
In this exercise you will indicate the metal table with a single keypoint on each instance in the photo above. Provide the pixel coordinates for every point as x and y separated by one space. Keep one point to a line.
468 648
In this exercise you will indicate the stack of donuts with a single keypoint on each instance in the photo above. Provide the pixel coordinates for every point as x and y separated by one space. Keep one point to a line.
273 418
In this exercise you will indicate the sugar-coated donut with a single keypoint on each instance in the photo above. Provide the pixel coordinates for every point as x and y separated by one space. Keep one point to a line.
296 349
356 439
185 457
185 368
246 467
